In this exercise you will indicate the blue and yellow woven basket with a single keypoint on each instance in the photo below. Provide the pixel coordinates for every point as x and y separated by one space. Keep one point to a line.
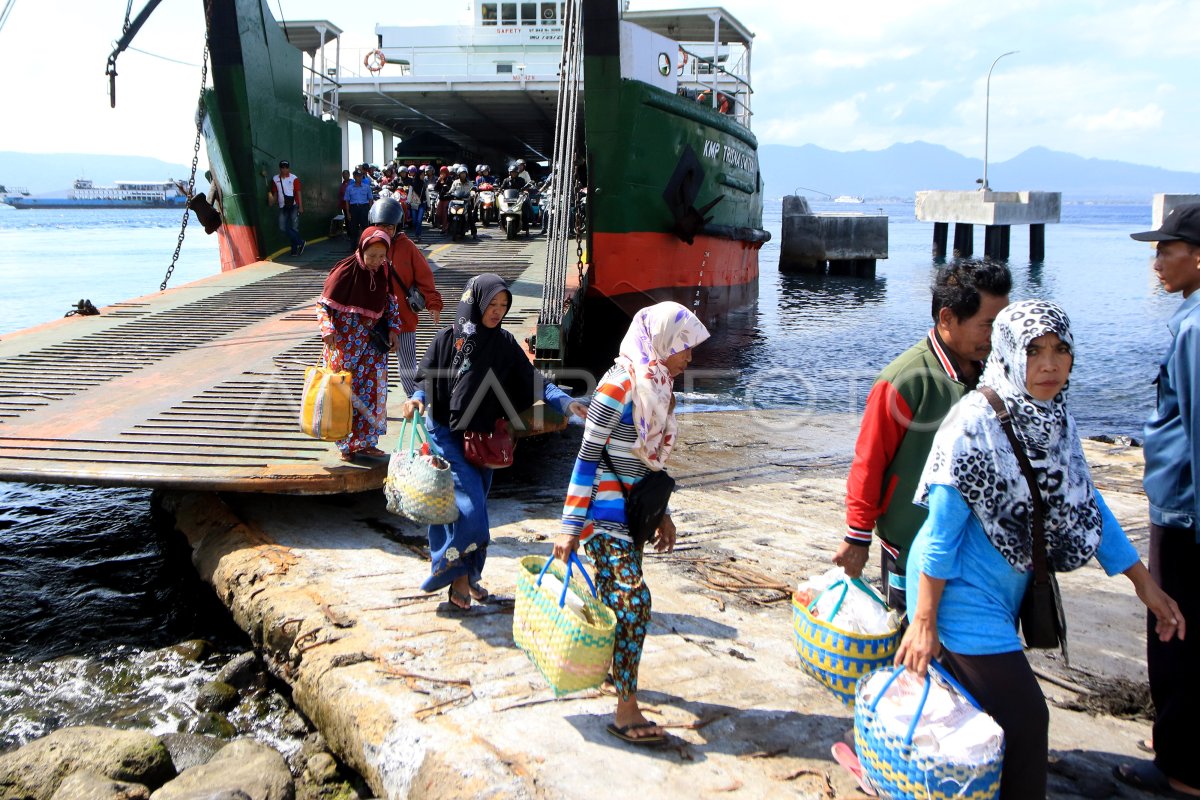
901 772
835 657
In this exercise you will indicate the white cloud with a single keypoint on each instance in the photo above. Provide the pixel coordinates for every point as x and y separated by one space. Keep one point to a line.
1122 120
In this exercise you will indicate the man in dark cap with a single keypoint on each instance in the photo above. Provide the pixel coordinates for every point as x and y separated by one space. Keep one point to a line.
1172 482
283 192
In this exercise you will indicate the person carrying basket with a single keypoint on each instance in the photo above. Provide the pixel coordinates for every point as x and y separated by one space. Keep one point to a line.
628 436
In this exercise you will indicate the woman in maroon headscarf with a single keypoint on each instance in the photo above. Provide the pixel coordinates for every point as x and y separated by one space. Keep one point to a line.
360 325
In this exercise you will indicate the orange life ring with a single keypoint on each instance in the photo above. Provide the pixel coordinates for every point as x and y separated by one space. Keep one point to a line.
375 60
682 62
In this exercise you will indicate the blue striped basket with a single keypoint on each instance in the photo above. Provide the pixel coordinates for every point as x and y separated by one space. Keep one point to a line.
835 657
900 772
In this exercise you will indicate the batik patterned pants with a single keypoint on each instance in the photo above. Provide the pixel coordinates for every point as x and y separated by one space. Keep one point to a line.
622 588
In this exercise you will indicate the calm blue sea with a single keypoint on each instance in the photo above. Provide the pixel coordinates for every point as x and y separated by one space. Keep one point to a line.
86 576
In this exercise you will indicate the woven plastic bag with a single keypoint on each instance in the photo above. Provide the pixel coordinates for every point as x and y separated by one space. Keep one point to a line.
325 407
836 655
419 483
571 647
909 738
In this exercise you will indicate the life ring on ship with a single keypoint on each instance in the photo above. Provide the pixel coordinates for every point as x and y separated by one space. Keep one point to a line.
375 60
682 61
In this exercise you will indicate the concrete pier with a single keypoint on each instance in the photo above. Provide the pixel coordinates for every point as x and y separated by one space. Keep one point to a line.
427 702
843 244
997 211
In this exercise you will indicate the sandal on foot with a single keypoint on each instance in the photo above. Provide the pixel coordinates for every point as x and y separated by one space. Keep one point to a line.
480 594
462 602
1146 776
1146 745
372 452
622 733
846 758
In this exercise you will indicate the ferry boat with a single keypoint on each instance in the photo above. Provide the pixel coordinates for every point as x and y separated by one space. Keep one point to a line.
123 194
661 118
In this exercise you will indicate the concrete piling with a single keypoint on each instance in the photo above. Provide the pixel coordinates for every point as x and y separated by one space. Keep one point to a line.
842 244
997 212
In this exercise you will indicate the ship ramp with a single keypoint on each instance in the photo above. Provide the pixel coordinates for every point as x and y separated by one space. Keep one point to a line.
198 387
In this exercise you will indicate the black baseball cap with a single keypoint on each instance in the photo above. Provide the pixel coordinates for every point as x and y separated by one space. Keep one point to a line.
1182 224
285 163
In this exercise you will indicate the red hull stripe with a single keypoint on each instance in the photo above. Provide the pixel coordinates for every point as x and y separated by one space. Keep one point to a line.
239 246
640 262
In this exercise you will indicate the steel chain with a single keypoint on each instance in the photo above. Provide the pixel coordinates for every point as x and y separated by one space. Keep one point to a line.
191 186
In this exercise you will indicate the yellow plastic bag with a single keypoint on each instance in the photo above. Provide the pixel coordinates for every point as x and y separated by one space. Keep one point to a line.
326 409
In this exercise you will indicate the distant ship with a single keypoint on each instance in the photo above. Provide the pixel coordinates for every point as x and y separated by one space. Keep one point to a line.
847 198
124 194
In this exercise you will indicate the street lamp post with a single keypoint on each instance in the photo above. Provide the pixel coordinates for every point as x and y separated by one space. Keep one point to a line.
987 116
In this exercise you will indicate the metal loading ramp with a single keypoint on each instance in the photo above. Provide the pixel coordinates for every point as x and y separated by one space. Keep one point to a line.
198 387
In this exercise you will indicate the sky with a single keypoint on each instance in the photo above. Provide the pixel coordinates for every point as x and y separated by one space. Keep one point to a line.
1111 79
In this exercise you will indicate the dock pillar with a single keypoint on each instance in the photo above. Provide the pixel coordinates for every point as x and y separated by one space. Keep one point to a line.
1037 243
940 233
964 239
996 241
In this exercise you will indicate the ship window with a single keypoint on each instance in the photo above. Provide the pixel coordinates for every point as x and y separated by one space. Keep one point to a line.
508 13
488 13
529 14
504 69
548 15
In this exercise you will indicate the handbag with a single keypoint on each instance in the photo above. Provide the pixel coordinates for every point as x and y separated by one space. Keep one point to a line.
491 450
326 411
645 503
1043 623
419 483
380 335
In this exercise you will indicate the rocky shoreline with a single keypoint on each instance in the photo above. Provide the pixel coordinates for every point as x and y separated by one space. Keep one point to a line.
421 701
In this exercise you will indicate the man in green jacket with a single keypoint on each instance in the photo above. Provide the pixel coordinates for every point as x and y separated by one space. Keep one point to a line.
904 409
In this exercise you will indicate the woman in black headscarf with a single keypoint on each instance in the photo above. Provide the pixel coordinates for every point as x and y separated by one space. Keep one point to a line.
474 373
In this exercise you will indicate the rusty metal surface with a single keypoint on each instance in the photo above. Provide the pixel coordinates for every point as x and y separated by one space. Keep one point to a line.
199 387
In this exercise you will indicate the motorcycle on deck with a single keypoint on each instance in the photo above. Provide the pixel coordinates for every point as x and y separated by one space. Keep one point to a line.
485 204
512 210
457 211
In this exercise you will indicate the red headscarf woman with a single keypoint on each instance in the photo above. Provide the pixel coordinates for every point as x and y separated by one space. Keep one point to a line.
360 325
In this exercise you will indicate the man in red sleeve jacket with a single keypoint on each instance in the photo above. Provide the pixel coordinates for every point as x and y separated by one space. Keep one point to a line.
904 409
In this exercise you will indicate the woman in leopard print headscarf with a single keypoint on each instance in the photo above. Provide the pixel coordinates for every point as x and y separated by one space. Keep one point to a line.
970 564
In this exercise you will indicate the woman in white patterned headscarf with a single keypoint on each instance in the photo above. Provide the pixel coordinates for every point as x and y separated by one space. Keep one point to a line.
629 434
972 558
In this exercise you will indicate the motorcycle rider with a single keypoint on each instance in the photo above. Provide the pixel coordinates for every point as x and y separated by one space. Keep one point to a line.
464 189
524 173
521 184
484 176
443 189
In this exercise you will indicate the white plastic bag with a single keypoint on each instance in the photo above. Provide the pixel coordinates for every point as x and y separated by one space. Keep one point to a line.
949 727
861 610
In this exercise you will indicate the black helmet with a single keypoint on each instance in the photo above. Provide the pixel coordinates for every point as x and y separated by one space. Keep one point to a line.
385 211
512 167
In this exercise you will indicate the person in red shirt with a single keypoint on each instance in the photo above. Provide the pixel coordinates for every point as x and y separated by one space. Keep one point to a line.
409 271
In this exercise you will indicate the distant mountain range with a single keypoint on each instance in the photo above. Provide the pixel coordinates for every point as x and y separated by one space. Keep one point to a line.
903 169
897 172
48 172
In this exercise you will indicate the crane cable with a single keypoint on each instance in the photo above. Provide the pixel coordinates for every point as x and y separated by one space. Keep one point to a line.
570 81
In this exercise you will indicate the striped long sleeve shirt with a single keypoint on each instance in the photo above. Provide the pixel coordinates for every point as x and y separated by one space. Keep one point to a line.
594 499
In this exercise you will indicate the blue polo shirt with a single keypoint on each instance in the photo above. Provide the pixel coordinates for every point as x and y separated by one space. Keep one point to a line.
359 192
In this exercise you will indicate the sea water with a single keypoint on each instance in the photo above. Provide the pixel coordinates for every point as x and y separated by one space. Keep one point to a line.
91 589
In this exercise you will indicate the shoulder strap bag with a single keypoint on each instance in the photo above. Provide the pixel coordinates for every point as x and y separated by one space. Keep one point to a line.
1043 624
646 503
